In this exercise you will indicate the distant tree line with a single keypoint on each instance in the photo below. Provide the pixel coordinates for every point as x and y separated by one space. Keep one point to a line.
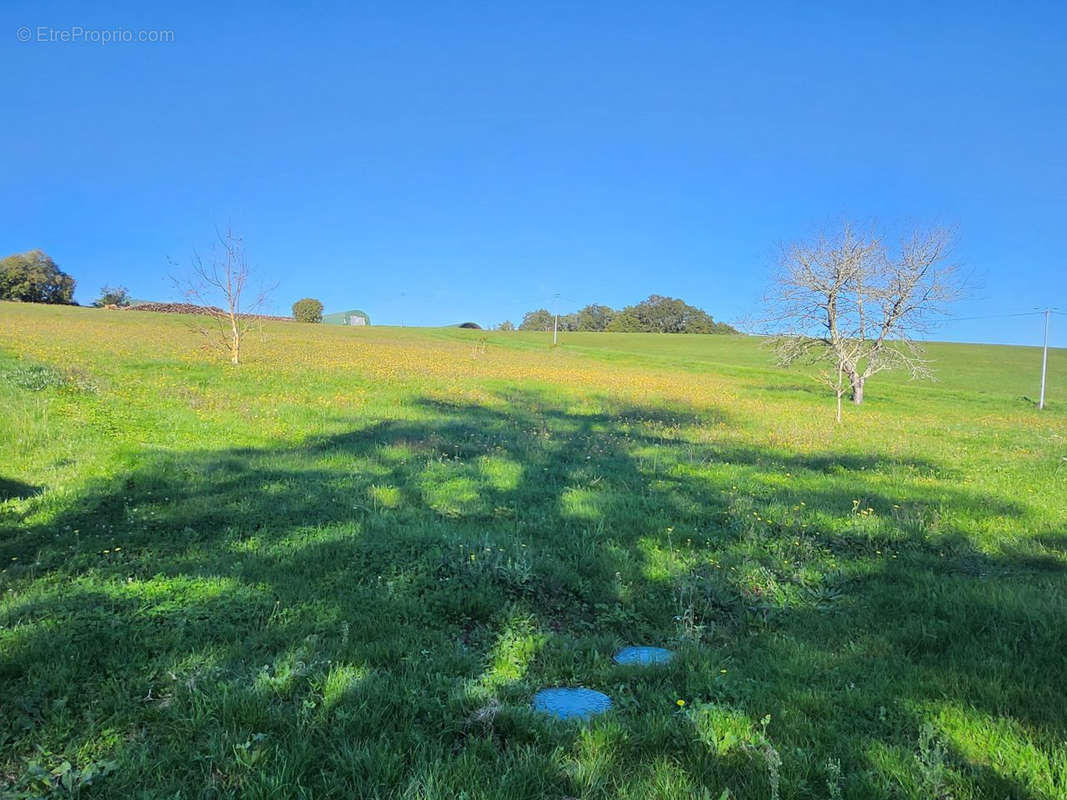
657 314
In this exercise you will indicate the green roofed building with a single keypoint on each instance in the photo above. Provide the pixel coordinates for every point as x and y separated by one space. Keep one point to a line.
346 318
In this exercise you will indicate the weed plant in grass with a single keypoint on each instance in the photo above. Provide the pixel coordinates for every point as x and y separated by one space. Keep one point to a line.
344 568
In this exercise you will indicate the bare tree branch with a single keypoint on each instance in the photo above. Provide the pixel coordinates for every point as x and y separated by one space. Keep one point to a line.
845 301
223 279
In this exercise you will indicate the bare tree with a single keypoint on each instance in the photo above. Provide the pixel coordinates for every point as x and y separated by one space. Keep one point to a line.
224 279
847 303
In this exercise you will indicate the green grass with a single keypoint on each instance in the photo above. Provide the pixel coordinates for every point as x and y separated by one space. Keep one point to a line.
343 568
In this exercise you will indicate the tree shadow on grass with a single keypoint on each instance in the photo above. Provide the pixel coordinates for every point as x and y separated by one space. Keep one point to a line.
16 490
369 613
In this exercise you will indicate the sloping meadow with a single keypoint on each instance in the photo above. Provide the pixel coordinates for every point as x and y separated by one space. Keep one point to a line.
345 567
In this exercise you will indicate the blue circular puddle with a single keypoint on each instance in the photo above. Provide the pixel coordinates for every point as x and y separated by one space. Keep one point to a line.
643 656
571 703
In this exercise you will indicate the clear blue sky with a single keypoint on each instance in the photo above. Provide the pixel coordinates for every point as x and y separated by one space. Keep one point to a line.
437 162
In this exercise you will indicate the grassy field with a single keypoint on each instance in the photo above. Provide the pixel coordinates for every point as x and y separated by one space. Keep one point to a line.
343 568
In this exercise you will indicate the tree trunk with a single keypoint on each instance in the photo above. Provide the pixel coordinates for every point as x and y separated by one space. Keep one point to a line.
235 349
857 390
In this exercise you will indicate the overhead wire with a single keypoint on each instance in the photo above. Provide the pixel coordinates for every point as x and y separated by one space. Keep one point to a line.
997 316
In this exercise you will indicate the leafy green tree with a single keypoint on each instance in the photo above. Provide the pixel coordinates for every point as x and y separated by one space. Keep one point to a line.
307 310
595 318
660 314
626 321
112 296
33 277
540 320
568 322
657 314
506 325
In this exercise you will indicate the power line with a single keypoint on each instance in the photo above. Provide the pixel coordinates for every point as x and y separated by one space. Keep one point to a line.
998 316
1044 312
